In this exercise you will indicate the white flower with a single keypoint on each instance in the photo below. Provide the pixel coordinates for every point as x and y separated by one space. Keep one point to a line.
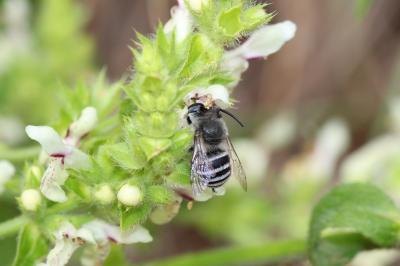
181 21
68 239
332 141
7 170
61 155
214 94
98 233
78 129
130 195
371 162
278 132
103 231
253 158
12 130
31 199
263 42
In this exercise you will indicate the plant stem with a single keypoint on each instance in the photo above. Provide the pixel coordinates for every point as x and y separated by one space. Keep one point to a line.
12 226
19 154
264 253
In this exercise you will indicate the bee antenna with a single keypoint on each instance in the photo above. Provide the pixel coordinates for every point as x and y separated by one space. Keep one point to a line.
233 116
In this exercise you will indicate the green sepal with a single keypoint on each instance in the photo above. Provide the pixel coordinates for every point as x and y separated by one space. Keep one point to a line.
181 174
31 247
152 147
131 216
158 194
156 124
229 22
126 157
79 188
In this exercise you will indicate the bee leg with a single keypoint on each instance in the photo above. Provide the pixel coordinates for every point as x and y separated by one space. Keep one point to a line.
213 190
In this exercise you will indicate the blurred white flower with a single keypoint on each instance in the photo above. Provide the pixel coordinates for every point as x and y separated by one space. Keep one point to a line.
263 42
12 130
278 132
372 160
383 257
214 94
7 170
394 114
181 21
61 155
253 158
332 141
16 39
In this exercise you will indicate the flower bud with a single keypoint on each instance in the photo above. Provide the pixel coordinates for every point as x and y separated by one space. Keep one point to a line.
197 5
31 199
130 195
104 194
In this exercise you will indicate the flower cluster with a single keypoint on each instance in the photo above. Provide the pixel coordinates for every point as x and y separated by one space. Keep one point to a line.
124 159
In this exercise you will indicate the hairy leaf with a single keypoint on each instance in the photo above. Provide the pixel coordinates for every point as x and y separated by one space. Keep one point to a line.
350 219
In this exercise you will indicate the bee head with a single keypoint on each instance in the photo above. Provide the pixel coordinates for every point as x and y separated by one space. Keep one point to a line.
197 109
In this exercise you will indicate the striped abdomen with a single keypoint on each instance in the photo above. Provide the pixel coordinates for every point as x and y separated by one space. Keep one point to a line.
221 168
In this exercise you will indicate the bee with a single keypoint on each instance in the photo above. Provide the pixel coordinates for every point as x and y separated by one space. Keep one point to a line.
214 158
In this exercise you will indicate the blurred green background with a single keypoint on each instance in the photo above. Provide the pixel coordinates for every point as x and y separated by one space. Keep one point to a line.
324 110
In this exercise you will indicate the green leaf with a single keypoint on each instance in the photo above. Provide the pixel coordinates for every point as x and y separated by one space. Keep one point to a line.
350 219
125 157
31 246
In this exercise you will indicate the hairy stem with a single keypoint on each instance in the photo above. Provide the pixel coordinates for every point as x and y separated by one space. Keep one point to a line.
12 226
280 251
19 154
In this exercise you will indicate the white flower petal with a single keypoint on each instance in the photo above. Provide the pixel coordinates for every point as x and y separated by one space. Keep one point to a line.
54 176
47 137
84 124
61 253
103 231
76 159
139 234
219 94
181 21
267 40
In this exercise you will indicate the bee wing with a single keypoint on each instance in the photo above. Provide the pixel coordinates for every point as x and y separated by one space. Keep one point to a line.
236 165
200 164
